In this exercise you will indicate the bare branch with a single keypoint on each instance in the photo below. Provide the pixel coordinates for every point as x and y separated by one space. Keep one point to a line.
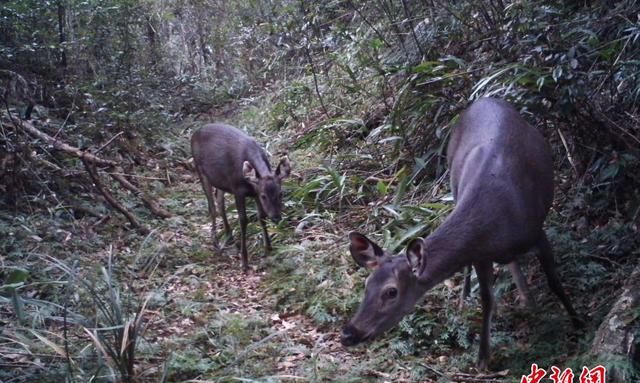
93 173
109 142
148 201
76 152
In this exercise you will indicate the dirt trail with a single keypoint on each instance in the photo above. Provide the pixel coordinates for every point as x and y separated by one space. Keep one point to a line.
222 290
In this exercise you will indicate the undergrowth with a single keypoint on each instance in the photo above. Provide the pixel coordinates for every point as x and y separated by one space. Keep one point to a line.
195 316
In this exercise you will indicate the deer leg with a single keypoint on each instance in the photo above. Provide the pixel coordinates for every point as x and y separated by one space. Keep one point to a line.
526 299
466 287
484 271
242 217
262 217
545 256
208 192
223 214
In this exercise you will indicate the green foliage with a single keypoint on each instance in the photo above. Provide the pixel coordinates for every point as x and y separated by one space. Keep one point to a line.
621 368
312 278
16 279
330 188
114 328
223 347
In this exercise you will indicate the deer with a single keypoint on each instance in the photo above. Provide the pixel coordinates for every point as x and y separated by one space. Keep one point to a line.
501 177
229 161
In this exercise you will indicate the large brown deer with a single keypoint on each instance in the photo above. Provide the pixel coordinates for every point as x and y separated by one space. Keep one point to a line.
230 161
502 182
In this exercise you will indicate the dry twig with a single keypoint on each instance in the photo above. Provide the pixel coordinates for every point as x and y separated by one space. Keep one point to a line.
148 201
90 160
93 173
76 152
480 378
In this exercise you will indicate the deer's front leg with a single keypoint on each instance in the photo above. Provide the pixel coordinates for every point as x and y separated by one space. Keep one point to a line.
262 217
242 217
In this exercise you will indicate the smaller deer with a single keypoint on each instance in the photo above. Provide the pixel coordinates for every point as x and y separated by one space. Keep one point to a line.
502 182
230 161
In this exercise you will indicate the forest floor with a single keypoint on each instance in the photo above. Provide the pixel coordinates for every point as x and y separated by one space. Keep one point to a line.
282 320
211 309
204 320
216 323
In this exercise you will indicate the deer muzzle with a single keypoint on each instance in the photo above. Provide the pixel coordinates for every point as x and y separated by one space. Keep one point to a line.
350 335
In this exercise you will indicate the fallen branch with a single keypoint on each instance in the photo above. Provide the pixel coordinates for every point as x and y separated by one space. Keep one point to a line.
90 161
148 201
102 220
141 177
480 378
95 178
109 142
77 152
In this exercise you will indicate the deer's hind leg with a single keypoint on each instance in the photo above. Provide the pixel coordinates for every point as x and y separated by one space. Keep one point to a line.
223 214
526 299
466 286
208 192
484 271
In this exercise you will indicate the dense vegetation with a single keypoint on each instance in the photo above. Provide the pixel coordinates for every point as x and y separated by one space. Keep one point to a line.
106 269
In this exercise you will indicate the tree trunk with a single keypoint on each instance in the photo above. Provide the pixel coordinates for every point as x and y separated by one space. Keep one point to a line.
617 342
61 34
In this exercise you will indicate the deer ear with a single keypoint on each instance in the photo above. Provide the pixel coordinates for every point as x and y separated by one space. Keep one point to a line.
284 168
249 173
416 257
366 253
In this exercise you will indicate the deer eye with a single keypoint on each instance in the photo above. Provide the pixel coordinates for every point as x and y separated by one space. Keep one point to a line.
390 293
